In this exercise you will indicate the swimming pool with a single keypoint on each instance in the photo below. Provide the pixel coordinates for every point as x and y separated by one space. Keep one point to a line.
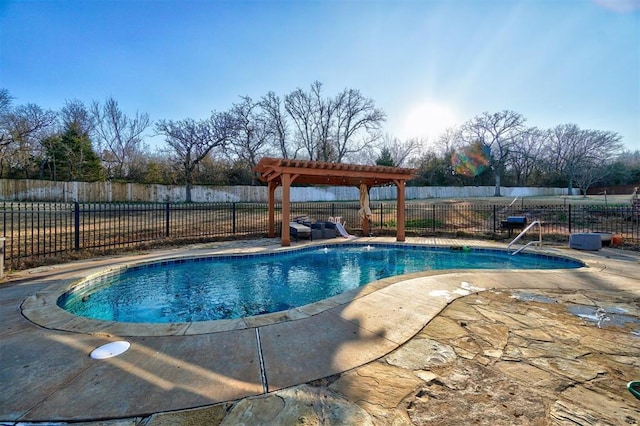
227 287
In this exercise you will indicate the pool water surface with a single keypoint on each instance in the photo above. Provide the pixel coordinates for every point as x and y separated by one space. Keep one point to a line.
227 287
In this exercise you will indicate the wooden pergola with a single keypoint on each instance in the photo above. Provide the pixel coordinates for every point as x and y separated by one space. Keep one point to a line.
283 172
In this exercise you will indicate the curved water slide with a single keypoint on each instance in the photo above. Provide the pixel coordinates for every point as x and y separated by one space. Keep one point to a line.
343 231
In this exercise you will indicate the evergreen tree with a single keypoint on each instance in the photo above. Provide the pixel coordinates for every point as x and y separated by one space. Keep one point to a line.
70 157
385 158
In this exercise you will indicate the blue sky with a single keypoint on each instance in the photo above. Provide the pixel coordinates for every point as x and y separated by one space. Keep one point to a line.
428 64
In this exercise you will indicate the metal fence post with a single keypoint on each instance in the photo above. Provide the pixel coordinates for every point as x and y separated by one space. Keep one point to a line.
4 232
494 218
167 219
569 219
233 216
76 225
433 218
2 240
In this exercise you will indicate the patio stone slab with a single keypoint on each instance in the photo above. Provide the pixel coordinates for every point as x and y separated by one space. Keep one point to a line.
34 368
317 347
170 372
381 312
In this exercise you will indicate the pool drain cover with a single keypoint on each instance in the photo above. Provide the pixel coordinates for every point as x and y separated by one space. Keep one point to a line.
110 350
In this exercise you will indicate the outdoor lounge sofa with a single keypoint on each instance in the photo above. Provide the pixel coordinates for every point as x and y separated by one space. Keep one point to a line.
298 230
323 230
305 227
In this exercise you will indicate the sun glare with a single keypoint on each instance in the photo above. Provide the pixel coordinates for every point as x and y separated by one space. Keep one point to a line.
428 120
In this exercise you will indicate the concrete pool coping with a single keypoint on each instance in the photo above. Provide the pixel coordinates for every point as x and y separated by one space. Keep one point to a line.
172 372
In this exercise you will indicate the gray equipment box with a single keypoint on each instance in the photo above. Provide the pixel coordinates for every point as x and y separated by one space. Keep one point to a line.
587 241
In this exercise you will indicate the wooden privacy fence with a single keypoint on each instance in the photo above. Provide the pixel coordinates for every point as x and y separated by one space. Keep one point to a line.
36 231
111 192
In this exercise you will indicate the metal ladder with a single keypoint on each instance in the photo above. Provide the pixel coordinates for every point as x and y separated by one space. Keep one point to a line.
539 242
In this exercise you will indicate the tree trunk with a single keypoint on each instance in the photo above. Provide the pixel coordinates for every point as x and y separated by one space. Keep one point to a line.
498 183
187 191
187 188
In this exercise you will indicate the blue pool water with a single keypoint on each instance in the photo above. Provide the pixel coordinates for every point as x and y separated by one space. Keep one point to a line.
213 288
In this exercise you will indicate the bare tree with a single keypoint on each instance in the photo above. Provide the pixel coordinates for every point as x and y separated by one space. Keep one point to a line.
5 101
591 173
253 132
333 128
324 117
570 150
119 137
402 151
21 129
448 141
5 126
5 109
192 140
498 132
301 110
527 154
272 107
356 117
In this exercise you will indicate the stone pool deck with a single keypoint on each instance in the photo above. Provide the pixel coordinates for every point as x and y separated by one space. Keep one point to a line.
452 347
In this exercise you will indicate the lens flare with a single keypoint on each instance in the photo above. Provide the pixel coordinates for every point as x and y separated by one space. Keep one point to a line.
471 160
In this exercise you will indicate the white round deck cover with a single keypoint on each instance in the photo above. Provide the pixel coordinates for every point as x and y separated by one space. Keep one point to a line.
110 350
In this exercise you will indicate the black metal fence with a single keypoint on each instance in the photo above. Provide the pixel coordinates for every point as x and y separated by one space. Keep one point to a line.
36 231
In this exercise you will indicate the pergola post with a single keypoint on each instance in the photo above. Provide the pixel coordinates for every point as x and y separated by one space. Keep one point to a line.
365 219
365 226
285 238
272 206
400 236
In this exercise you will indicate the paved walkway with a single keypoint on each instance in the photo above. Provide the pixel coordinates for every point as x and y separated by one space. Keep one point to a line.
181 366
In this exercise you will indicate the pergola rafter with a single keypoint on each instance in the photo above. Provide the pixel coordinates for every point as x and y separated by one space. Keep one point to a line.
283 172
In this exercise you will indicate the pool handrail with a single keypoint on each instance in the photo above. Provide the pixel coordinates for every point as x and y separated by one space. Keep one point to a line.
524 231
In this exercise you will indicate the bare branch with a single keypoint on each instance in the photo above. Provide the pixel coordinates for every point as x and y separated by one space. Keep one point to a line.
272 108
356 116
301 111
254 131
119 137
